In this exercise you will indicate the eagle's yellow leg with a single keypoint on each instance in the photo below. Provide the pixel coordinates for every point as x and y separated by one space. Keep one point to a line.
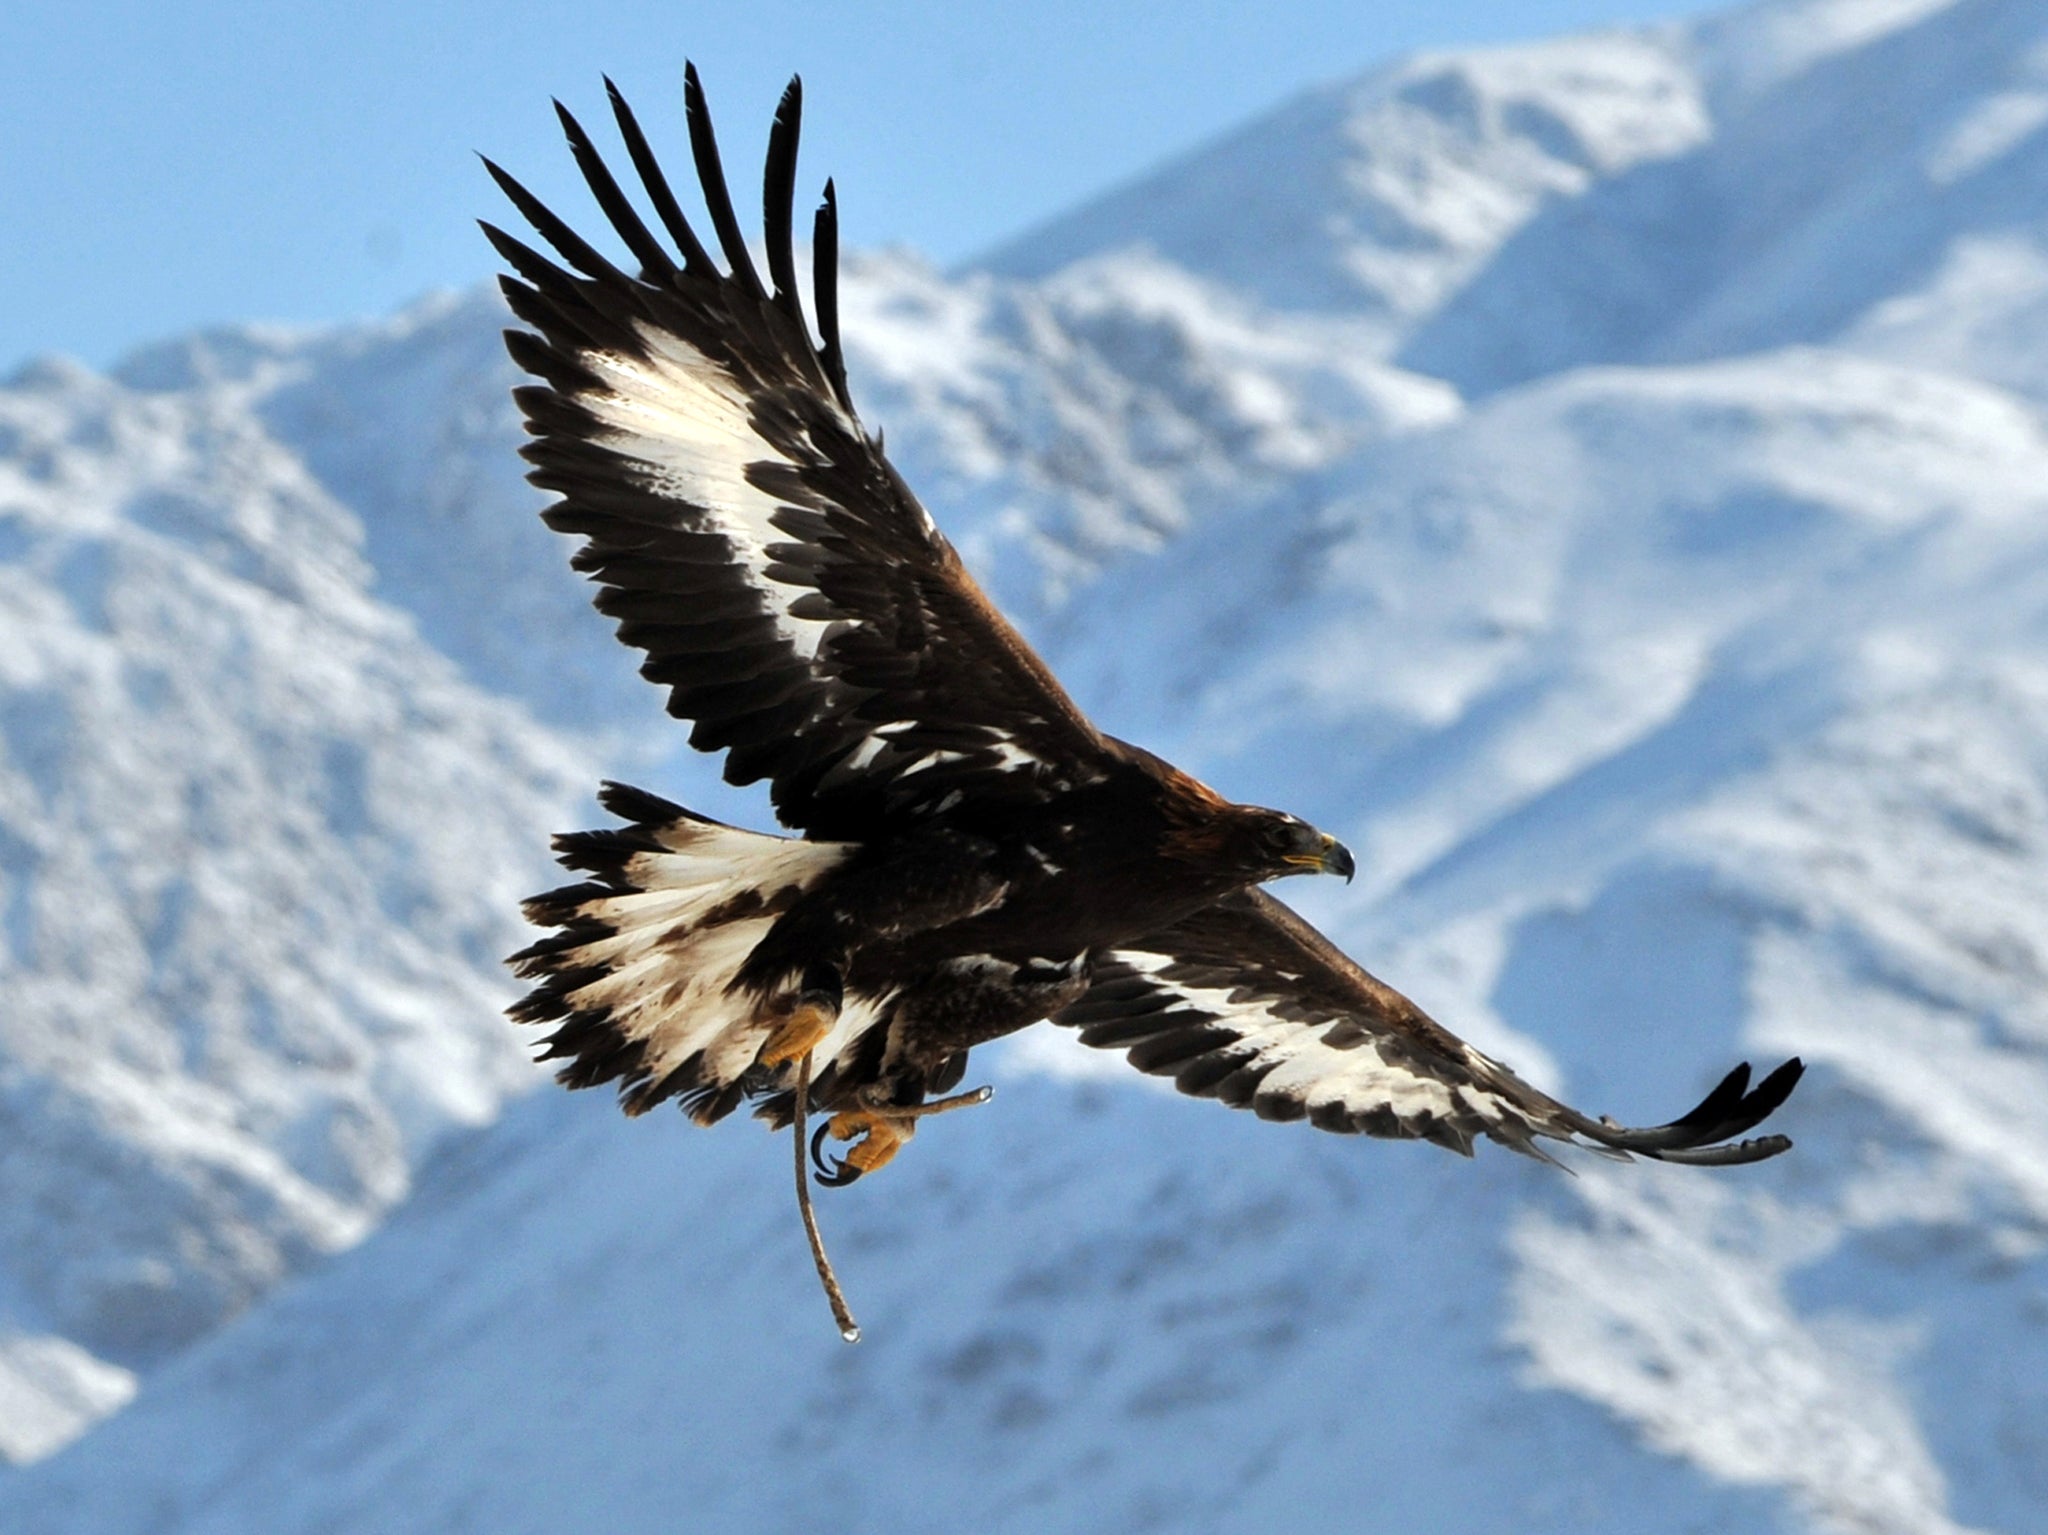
880 1134
799 1034
881 1137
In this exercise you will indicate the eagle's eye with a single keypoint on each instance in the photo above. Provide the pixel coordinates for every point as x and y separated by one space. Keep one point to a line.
1280 835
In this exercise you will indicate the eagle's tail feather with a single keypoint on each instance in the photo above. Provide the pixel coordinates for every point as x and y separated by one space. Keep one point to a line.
640 978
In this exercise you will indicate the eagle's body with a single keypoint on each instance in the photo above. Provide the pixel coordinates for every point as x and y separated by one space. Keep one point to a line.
974 855
937 936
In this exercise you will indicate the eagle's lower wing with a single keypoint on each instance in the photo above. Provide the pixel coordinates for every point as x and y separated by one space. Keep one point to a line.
748 535
1246 1002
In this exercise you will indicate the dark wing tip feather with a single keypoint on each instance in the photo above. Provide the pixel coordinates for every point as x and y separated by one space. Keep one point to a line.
529 263
574 249
1703 1137
778 197
711 177
655 263
644 808
825 289
659 192
657 267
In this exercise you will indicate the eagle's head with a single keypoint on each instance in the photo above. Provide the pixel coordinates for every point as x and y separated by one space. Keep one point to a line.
1247 842
1270 843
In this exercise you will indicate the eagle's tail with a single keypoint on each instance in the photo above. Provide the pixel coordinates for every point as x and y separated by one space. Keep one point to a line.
641 979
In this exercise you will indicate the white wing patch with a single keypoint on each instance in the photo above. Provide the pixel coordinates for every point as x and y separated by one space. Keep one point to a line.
686 421
1322 1068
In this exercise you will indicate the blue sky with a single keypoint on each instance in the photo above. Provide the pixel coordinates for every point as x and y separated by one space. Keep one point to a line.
169 165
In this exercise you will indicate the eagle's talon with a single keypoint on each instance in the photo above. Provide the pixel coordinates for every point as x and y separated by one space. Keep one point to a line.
826 1170
876 1137
835 1172
840 1176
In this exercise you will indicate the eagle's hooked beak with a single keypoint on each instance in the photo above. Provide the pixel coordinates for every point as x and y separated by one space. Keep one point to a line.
1315 852
1337 859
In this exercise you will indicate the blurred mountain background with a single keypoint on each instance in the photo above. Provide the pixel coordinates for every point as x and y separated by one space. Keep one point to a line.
1604 480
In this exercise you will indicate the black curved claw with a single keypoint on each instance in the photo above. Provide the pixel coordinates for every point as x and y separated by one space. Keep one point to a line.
836 1173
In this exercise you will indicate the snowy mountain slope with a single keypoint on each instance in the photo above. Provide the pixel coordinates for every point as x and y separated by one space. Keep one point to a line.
407 424
1777 823
1095 1309
1376 199
1851 187
1061 426
1471 616
259 848
1819 831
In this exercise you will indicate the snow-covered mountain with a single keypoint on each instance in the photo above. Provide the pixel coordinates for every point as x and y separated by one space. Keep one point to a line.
1865 188
1371 201
1606 479
259 843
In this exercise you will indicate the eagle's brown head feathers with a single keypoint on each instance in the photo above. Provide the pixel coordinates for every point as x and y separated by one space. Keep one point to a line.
1255 844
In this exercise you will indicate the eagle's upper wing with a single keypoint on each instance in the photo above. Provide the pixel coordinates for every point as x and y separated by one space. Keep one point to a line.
1246 1002
747 533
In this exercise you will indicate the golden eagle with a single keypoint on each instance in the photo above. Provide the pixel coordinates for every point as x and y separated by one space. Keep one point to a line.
973 854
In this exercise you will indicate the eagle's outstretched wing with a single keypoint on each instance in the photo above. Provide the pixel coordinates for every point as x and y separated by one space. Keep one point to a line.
1246 1002
747 534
